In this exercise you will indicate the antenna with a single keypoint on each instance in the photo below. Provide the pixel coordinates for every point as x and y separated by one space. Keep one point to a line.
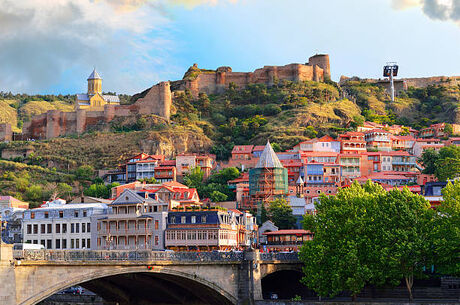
391 70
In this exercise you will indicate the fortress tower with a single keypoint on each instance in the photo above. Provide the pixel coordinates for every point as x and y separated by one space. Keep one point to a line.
322 61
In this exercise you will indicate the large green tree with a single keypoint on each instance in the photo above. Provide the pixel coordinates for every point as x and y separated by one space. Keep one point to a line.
280 213
365 235
194 178
444 164
446 230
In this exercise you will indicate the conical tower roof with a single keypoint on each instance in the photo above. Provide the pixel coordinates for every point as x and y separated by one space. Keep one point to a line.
300 180
94 75
268 159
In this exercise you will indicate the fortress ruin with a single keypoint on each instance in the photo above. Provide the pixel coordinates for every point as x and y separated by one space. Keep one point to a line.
157 100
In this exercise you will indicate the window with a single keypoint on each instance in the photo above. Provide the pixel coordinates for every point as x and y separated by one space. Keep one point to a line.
61 214
42 229
72 228
35 229
58 228
84 213
72 243
75 214
29 229
32 215
49 244
157 224
77 228
64 228
193 219
49 228
88 227
77 243
156 240
58 243
88 243
182 219
173 219
47 215
43 242
64 243
83 243
203 219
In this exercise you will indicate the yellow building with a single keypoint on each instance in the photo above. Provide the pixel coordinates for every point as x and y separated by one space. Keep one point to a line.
94 100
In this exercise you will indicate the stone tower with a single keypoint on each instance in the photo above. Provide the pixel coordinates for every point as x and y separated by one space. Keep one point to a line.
322 61
94 83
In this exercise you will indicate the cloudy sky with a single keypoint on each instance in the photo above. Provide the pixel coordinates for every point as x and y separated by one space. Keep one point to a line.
51 46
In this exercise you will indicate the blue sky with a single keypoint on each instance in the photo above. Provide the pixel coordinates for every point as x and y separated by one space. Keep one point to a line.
152 41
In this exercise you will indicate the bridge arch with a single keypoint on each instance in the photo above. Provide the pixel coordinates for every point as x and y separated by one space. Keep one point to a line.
284 282
213 291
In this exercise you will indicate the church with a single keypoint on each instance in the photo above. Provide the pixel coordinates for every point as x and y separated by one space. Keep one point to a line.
94 100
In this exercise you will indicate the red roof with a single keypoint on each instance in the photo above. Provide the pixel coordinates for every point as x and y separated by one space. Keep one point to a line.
428 140
242 149
376 130
326 138
259 148
287 232
352 134
168 163
236 211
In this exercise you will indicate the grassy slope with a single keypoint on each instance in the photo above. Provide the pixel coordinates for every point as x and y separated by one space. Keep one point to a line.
8 114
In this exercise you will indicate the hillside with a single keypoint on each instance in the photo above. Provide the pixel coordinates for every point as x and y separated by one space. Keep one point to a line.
285 113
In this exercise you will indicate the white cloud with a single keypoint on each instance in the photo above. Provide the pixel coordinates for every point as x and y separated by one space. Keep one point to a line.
446 10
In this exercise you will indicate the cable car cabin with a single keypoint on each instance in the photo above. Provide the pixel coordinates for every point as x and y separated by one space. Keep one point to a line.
286 240
387 70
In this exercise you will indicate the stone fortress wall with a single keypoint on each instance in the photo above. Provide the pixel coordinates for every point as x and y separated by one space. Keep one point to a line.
157 100
215 82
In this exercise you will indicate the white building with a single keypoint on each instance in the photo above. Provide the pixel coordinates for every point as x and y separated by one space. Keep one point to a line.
57 225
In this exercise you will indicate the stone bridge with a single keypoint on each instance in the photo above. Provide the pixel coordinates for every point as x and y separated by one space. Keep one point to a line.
140 277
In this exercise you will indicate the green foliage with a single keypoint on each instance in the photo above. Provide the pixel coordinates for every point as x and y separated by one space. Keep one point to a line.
444 164
151 180
84 173
365 235
280 212
100 190
217 196
446 231
276 147
34 193
310 132
194 178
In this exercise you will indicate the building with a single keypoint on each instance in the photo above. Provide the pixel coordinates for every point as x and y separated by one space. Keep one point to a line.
352 142
94 100
142 166
286 240
11 223
298 208
267 226
57 225
202 230
11 202
378 139
423 144
268 180
402 142
185 162
137 221
165 174
437 131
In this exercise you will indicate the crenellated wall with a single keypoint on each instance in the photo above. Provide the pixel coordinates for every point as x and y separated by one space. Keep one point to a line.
215 82
6 134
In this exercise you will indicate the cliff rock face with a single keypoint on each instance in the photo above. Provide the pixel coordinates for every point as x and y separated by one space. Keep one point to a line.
107 150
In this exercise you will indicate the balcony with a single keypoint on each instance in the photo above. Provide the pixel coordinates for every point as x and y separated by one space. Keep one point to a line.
285 243
139 231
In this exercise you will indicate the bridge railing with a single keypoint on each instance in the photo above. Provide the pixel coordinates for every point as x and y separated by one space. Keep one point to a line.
279 256
116 255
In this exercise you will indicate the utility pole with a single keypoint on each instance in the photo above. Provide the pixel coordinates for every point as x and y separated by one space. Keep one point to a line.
391 70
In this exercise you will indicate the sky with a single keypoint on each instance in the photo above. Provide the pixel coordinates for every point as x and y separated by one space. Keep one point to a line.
51 46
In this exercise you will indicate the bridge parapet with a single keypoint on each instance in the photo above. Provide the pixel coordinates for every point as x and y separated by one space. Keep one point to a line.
120 256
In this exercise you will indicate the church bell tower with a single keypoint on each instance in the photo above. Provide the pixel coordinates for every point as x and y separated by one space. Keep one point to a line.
94 83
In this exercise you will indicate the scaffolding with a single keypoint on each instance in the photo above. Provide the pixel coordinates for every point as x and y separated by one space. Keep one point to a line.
267 184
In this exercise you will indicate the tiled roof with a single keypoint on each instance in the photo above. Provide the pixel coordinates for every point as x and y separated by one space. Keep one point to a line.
111 98
287 232
242 149
268 159
94 75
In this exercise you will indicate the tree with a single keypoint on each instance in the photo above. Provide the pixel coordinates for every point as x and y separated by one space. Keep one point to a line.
84 174
444 164
281 214
446 239
448 130
217 196
310 132
448 163
276 147
365 235
263 214
34 193
194 178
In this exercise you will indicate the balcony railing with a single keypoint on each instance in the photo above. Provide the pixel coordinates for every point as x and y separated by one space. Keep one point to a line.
285 243
127 231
